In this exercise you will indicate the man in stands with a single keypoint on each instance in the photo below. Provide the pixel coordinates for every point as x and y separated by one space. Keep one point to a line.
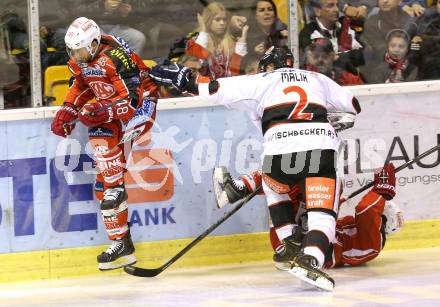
328 24
321 57
105 68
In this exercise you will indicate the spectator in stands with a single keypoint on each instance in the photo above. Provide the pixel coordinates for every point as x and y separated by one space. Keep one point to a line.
426 44
396 66
328 25
414 8
17 94
249 65
214 43
53 41
320 57
390 16
115 17
266 29
357 9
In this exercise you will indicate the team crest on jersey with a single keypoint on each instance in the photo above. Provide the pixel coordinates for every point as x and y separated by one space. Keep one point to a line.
102 90
93 71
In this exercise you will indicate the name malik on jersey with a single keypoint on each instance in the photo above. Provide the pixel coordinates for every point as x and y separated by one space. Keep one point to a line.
293 77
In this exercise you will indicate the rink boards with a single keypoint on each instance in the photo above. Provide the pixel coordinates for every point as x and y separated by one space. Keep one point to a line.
49 218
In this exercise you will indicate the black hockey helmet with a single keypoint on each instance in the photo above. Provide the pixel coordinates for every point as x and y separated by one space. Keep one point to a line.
278 56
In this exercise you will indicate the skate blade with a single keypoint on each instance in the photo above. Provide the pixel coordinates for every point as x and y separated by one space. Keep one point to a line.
118 263
221 198
320 282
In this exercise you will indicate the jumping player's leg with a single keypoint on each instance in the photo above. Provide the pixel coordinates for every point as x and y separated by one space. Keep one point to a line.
111 166
228 190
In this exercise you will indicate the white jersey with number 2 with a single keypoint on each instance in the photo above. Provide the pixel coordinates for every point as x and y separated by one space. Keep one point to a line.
289 104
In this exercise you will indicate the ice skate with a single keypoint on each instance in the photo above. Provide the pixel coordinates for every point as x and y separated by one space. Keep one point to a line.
226 189
306 268
119 254
283 259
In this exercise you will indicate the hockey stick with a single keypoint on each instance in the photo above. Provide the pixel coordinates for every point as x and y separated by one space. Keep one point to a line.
398 169
141 272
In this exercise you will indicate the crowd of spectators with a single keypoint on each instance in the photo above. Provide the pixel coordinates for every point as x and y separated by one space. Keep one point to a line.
352 41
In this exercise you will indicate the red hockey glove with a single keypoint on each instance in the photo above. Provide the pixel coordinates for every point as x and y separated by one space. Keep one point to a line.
90 116
385 182
66 114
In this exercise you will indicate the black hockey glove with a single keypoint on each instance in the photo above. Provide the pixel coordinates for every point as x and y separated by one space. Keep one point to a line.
171 73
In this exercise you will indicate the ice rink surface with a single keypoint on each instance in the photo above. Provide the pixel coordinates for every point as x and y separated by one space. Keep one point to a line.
403 278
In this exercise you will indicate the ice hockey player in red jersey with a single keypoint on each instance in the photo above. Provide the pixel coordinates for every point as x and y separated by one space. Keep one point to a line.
299 145
106 69
359 237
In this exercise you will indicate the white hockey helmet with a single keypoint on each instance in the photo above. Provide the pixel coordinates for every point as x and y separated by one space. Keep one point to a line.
81 33
394 218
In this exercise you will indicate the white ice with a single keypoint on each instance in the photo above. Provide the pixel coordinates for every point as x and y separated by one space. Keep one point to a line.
403 278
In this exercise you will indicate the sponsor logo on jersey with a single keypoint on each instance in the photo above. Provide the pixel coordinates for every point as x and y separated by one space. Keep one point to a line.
301 132
102 90
93 72
100 132
124 44
122 55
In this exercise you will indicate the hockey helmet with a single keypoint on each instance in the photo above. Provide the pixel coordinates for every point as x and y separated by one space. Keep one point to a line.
81 34
394 218
278 56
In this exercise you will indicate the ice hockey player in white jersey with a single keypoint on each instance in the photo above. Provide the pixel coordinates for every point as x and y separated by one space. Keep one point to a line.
299 147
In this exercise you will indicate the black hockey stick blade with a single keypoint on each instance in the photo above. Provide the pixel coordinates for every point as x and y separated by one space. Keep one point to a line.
398 169
144 272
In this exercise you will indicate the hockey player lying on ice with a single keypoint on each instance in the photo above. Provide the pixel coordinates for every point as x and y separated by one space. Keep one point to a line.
359 237
290 107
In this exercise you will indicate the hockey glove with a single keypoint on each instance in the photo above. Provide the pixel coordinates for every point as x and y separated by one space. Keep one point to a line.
92 114
65 115
171 73
341 120
385 182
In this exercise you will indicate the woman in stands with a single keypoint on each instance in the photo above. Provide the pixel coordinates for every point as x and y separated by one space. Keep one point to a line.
266 29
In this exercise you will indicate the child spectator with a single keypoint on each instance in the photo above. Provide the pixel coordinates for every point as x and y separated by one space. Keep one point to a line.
396 67
426 44
390 16
215 44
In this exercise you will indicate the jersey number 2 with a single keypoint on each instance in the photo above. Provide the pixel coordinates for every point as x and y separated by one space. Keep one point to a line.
297 112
